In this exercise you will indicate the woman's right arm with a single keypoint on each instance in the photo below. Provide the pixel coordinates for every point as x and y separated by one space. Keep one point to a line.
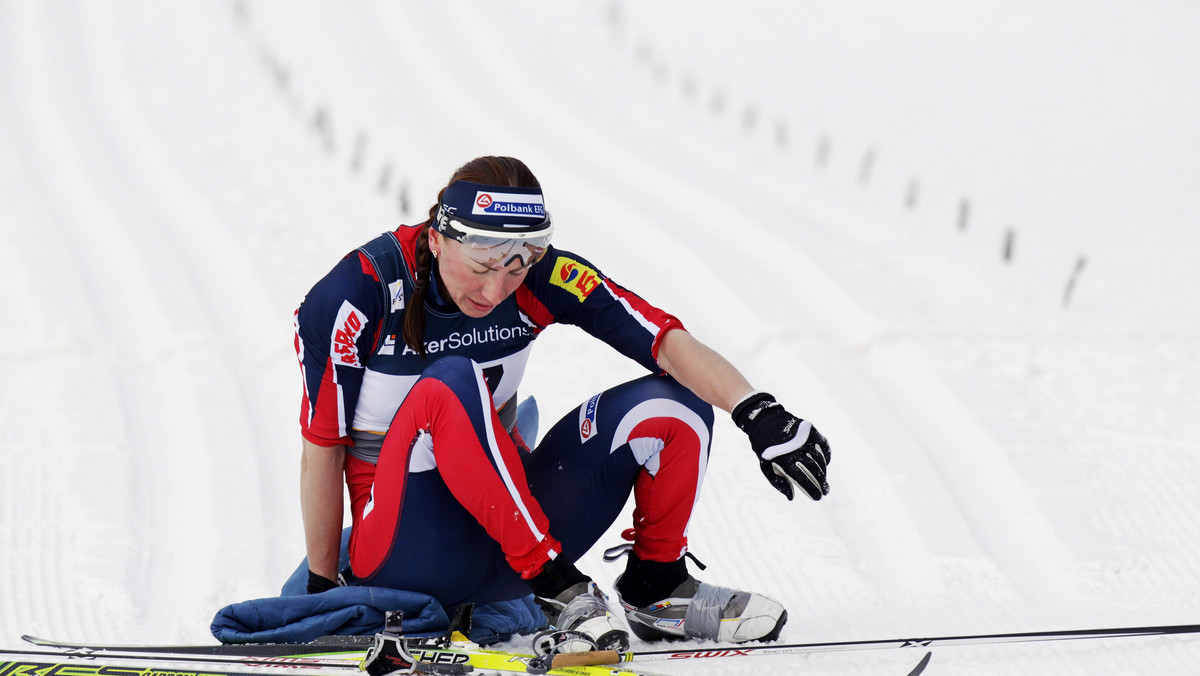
322 505
337 325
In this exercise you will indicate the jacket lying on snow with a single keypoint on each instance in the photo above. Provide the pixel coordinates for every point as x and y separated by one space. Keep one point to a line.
297 617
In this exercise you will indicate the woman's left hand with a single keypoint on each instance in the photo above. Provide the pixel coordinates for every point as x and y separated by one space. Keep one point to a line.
791 452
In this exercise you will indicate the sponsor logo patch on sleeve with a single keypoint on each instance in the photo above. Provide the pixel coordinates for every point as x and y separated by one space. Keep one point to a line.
587 419
396 290
575 277
346 330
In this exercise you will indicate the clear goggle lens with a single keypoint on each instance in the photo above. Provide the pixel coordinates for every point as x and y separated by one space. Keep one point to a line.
495 248
500 253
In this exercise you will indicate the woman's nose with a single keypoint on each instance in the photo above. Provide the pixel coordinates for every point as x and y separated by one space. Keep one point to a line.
494 289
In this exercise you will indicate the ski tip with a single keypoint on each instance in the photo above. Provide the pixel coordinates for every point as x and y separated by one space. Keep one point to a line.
921 665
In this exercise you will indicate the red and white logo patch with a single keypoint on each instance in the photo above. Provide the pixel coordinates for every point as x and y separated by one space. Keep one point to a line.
346 330
483 201
587 419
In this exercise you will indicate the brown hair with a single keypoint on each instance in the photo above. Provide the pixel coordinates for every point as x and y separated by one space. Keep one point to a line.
489 170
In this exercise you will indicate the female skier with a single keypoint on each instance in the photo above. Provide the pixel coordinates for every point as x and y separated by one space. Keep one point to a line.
411 351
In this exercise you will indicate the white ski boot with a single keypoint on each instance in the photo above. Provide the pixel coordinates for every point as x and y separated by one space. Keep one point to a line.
693 609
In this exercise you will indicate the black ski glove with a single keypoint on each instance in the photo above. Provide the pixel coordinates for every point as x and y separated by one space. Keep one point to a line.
320 583
790 450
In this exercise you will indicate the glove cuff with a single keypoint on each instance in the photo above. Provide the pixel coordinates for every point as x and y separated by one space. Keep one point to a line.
747 410
319 583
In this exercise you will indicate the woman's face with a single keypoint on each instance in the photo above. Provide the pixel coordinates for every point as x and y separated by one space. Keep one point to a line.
475 288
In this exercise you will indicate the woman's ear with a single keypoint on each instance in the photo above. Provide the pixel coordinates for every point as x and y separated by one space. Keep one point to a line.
435 242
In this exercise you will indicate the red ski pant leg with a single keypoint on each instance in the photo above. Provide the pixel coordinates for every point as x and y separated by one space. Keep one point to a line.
448 423
674 445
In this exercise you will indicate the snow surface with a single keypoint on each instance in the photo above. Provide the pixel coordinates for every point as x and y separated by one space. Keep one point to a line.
823 191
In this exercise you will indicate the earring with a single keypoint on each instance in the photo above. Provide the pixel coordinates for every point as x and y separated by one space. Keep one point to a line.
434 252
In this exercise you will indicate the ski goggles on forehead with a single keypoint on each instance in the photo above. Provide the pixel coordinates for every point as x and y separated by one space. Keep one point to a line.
496 246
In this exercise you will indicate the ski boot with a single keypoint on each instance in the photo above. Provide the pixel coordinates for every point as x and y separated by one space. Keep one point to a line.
579 621
663 602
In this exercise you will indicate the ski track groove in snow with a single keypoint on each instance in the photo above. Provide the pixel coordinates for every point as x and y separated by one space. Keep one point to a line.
160 394
229 291
46 583
218 283
136 272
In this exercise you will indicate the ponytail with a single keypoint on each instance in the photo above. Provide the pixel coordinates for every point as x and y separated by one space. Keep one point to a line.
414 318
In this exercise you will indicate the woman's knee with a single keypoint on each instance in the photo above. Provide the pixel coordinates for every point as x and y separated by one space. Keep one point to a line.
667 388
450 370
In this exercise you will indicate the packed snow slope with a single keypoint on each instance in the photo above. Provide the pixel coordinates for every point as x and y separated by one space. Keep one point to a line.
958 236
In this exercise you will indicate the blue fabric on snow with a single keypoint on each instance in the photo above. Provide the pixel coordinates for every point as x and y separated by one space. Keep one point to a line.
501 620
341 611
298 617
